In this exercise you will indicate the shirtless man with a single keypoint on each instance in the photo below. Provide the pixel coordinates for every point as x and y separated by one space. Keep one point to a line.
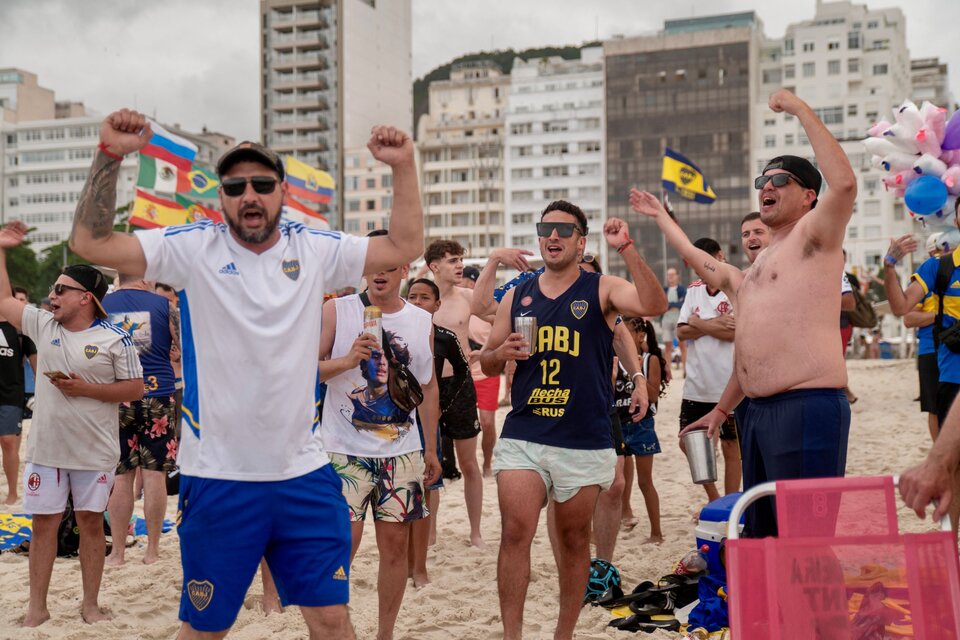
460 422
798 420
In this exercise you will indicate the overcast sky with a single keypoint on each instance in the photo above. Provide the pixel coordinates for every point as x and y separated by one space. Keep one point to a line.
196 62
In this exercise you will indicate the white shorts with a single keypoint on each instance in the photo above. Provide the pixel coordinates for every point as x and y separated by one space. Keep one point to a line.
563 471
45 489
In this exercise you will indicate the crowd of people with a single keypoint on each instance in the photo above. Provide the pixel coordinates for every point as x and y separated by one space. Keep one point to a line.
289 417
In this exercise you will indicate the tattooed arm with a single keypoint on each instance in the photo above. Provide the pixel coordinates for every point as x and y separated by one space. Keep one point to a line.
93 236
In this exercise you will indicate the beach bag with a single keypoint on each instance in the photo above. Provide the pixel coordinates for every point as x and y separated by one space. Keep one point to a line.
951 336
862 315
403 386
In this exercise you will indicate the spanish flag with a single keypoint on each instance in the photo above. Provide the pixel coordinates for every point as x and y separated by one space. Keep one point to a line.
151 212
308 183
684 178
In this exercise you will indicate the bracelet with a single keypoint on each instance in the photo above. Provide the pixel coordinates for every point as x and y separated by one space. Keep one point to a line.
890 260
108 153
624 246
638 373
722 412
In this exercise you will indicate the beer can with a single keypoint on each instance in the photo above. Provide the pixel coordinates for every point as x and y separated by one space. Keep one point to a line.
373 322
527 327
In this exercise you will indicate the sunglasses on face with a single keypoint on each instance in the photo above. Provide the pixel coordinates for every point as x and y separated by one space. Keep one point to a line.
235 187
60 288
563 229
778 180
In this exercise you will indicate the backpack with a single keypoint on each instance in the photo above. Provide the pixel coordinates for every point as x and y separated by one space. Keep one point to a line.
950 337
863 314
68 533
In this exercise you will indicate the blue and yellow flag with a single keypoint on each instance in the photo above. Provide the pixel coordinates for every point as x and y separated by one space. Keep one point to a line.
684 178
308 183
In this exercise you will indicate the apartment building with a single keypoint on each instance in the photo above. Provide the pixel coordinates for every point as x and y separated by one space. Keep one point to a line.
554 145
460 144
332 69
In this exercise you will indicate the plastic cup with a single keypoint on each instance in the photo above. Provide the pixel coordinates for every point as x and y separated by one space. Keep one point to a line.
701 456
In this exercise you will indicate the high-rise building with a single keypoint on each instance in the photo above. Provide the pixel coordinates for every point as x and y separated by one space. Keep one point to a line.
460 143
553 147
692 88
46 148
368 192
851 64
929 79
330 70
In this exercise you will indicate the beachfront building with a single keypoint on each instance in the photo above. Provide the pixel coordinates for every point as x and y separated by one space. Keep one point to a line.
692 88
367 193
46 148
929 81
851 64
554 145
460 142
330 70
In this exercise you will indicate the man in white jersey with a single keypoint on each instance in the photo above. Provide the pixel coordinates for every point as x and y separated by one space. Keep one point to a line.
72 448
255 480
374 444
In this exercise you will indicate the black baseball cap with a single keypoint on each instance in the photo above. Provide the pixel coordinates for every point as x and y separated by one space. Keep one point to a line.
92 280
251 152
800 168
471 272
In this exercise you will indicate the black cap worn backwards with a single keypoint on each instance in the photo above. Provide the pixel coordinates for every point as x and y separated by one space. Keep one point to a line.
799 168
251 152
92 280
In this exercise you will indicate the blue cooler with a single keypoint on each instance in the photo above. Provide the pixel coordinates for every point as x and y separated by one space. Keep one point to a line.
711 531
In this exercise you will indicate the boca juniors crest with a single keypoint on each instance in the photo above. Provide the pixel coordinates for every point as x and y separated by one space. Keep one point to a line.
579 308
200 592
90 351
291 269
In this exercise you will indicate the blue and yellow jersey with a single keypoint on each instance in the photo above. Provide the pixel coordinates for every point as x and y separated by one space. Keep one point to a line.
562 394
926 277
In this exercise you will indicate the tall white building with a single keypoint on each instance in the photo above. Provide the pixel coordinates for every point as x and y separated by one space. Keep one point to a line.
554 145
368 192
332 69
851 64
460 143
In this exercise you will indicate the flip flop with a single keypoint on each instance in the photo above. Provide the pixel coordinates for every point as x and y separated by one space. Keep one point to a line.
648 624
673 592
614 596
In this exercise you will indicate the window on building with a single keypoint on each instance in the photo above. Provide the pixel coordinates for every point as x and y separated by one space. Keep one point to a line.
371 183
521 173
808 47
521 128
769 122
769 141
371 225
386 180
556 194
371 205
788 47
873 24
554 149
789 71
459 175
871 184
853 232
771 76
555 126
386 202
851 109
853 40
788 138
833 67
880 69
561 170
809 69
353 226
521 196
526 150
587 147
871 208
833 45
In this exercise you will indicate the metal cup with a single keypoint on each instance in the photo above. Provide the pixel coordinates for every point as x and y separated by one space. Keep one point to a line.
701 456
527 327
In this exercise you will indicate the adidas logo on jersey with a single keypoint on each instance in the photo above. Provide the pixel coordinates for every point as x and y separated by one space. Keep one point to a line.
55 342
5 349
340 574
230 270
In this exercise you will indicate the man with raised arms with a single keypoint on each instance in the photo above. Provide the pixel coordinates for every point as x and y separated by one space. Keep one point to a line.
786 360
255 479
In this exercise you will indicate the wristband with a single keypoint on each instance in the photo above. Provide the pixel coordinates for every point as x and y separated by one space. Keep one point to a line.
108 153
624 246
638 373
890 260
721 411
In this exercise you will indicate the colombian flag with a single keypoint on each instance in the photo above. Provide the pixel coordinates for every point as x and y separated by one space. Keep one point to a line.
170 148
196 211
151 212
310 217
306 182
684 178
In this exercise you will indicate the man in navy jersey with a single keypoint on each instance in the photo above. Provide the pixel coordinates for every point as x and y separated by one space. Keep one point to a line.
556 440
148 439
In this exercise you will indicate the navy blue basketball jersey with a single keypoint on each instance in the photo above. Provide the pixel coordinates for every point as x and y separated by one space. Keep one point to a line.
562 395
145 315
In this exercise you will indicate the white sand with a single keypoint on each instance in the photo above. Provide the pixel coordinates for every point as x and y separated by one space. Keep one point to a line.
888 434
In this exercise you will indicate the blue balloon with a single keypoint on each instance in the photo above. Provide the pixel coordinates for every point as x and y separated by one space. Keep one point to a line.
925 195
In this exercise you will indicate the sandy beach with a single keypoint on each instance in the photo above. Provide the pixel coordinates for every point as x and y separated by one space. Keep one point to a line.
888 433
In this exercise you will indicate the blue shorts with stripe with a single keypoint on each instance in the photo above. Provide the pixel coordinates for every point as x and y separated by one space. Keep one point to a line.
301 526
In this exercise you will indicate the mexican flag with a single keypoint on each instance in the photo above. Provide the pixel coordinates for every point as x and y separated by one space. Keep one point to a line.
162 176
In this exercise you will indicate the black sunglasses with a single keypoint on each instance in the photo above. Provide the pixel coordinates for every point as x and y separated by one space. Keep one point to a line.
778 180
563 229
235 187
60 288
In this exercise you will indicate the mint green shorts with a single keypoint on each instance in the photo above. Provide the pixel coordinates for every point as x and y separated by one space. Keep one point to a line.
563 471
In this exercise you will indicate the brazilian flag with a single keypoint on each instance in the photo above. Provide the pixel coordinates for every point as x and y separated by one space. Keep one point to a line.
684 178
203 183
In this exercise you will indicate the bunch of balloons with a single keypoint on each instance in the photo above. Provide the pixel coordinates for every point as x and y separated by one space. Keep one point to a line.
920 152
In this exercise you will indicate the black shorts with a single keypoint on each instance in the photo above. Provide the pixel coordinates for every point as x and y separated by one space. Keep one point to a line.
929 372
460 421
148 435
616 431
692 410
946 394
